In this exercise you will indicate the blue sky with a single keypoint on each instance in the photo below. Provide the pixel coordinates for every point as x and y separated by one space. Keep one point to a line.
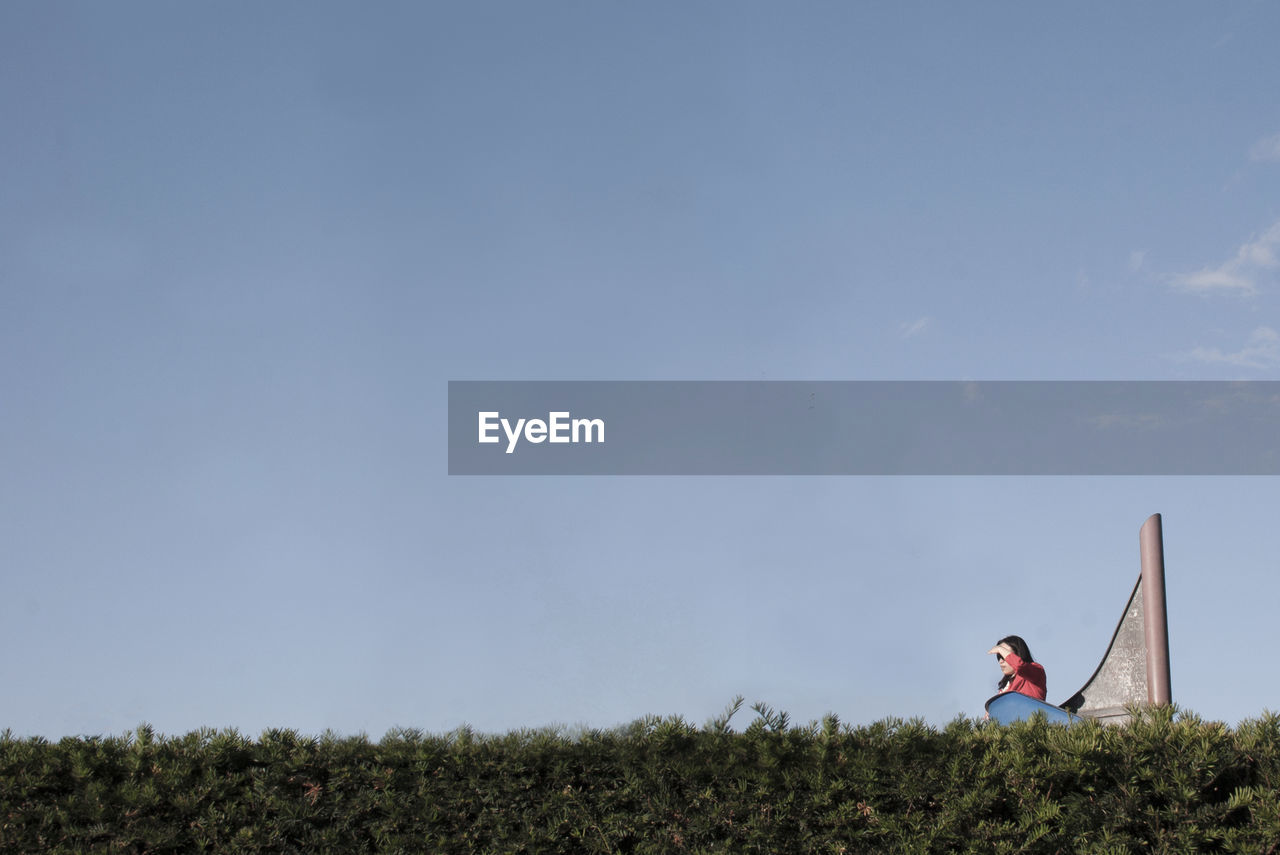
244 248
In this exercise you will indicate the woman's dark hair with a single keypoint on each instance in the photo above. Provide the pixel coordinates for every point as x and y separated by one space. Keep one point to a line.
1019 647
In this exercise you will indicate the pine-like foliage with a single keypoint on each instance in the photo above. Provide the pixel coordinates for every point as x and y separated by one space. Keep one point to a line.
1167 783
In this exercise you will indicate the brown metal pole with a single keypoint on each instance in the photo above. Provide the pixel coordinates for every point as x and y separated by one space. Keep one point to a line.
1156 623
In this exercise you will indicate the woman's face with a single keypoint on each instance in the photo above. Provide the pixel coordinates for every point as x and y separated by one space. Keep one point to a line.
1005 667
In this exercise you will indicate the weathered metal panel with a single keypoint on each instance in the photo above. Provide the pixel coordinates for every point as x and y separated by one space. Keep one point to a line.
1121 677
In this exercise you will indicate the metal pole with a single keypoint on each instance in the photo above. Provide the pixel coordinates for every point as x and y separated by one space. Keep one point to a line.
1156 623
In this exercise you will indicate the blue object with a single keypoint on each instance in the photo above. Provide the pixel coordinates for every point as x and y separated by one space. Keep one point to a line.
1009 707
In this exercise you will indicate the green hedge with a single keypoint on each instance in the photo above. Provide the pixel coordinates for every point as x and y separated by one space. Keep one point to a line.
1168 782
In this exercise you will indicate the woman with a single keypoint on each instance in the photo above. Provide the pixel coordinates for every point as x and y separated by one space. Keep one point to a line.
1022 673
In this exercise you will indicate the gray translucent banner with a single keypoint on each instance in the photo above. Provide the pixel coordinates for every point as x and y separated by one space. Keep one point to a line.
864 428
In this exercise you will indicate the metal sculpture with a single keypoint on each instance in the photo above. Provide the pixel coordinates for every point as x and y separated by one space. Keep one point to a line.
1135 668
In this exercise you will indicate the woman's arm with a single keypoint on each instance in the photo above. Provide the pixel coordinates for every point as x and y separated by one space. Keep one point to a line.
1003 649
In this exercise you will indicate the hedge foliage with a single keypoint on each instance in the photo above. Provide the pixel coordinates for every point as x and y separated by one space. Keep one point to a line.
1168 782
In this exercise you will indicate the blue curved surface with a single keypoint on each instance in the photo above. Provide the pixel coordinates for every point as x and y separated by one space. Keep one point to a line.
1009 707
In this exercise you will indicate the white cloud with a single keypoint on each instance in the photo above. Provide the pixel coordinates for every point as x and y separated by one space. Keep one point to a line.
915 327
1206 281
1262 350
1266 150
1261 252
1240 273
1137 259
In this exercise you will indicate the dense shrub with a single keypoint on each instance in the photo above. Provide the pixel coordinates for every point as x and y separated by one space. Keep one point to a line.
1168 782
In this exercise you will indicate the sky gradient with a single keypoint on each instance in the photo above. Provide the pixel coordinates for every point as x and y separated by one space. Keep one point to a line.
243 249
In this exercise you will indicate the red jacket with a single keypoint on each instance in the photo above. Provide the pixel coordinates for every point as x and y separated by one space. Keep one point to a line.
1028 678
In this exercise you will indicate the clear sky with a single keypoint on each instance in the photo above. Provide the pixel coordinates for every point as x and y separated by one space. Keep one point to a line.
244 247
